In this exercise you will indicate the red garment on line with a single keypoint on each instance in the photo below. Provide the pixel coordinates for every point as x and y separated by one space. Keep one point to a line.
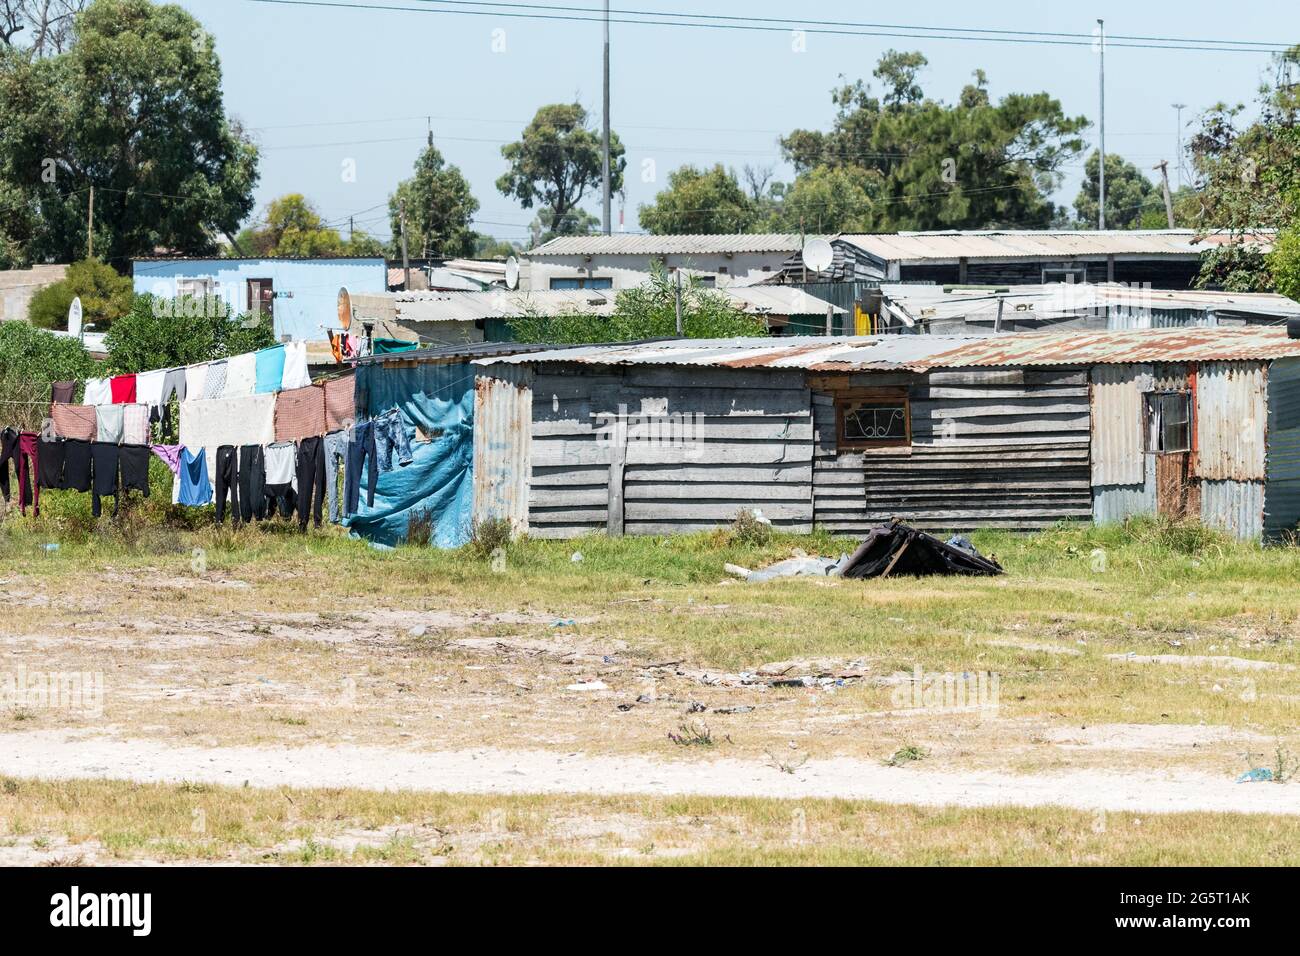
123 388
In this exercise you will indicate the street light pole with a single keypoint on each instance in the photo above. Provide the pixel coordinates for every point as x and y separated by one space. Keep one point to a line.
1101 166
1178 167
605 221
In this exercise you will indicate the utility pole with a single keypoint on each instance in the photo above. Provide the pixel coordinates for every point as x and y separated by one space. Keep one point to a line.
681 333
1178 168
1101 166
1163 166
406 263
349 230
90 226
606 222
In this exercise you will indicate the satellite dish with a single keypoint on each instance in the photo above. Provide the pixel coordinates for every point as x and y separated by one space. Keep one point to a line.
818 255
345 308
512 273
75 316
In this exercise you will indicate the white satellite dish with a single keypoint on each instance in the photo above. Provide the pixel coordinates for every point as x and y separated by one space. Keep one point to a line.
75 316
512 273
818 255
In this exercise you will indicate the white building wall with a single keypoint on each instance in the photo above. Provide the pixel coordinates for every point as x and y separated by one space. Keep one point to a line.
628 271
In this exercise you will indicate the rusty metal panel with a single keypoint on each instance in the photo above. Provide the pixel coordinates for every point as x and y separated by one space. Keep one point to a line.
1236 507
503 414
1117 442
1231 419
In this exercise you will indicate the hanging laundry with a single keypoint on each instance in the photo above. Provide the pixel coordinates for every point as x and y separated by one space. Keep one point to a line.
133 462
149 388
195 489
336 461
76 464
252 482
196 378
104 458
311 480
296 374
50 474
74 421
211 423
300 413
281 478
62 391
8 453
269 369
241 376
227 477
108 423
135 424
175 385
214 384
122 388
340 402
361 450
390 438
336 345
170 455
29 466
99 391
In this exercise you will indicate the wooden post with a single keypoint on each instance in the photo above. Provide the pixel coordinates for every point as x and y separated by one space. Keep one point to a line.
90 227
617 465
1163 166
677 299
830 320
406 263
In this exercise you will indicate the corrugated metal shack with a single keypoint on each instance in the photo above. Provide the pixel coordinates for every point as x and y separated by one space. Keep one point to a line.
950 433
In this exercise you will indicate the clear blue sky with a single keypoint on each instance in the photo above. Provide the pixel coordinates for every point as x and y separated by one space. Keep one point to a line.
320 86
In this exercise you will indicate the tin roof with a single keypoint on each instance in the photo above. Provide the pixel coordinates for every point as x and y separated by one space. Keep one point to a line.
923 352
639 245
1061 299
911 247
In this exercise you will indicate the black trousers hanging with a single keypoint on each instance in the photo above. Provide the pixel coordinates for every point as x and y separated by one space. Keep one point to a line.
227 482
311 479
104 458
50 468
133 463
76 464
252 482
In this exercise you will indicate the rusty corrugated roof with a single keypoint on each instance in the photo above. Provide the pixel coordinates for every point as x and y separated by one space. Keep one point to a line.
923 352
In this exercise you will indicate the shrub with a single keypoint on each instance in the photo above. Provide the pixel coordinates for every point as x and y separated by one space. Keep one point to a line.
747 529
489 534
105 296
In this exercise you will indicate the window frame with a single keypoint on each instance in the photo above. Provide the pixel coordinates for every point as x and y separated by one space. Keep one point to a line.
1149 431
848 398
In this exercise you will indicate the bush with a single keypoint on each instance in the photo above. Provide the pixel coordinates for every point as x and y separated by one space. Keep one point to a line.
747 529
105 297
165 333
489 534
30 359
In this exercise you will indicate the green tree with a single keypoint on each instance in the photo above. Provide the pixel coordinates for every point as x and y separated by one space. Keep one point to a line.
1128 193
291 226
831 199
700 201
439 208
644 312
30 359
163 333
576 222
104 294
971 164
1284 263
557 160
133 108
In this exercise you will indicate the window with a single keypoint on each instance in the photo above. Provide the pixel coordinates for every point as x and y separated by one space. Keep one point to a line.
261 298
582 282
197 287
872 418
1169 421
1065 274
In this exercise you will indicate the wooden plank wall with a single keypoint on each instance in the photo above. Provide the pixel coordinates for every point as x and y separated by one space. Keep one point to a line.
753 449
991 448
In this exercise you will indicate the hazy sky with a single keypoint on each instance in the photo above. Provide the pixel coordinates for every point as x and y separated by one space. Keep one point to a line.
320 86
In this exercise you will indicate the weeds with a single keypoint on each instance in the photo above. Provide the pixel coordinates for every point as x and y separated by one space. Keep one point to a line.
487 535
905 755
787 765
748 529
692 734
419 528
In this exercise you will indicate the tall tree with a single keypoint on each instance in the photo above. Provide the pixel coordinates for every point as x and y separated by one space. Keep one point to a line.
971 164
1128 193
38 27
291 226
700 201
439 208
557 161
133 108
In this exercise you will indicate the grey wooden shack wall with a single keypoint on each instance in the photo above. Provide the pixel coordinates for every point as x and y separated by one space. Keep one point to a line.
991 448
753 450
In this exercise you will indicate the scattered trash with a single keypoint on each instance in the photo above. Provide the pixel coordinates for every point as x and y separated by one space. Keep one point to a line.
760 517
695 707
576 557
570 622
744 709
644 699
737 571
589 685
51 546
625 707
378 546
896 548
795 567
418 631
1258 775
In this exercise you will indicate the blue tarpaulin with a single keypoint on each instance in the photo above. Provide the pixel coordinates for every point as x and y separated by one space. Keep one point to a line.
438 485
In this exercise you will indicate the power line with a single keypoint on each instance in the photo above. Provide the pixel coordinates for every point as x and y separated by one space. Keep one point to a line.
1160 43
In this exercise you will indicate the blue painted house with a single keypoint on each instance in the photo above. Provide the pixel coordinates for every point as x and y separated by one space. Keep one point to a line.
298 294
